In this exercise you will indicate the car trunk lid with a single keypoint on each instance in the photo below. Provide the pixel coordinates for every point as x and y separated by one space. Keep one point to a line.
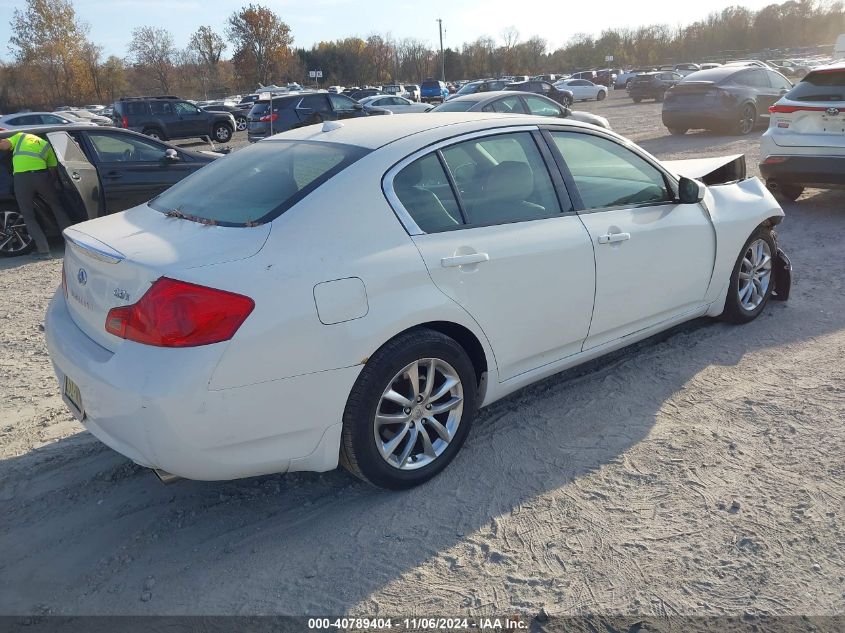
688 93
812 114
112 261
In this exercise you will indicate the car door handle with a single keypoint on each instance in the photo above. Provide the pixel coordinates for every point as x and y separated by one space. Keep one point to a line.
612 238
464 260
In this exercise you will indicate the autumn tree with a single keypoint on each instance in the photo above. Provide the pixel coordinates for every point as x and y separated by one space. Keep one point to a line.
153 52
47 41
262 44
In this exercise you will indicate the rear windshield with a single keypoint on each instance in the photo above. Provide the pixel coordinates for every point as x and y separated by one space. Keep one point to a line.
824 85
431 84
454 106
258 183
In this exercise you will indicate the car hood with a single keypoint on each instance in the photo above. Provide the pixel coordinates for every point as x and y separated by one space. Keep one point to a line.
711 171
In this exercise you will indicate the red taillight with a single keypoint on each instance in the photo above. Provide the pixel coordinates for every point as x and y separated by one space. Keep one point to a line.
125 122
179 314
269 117
775 160
788 109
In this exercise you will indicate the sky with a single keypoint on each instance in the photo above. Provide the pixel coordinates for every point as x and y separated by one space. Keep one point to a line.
311 21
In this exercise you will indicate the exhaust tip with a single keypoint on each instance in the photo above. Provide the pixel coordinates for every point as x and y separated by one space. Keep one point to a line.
165 477
772 185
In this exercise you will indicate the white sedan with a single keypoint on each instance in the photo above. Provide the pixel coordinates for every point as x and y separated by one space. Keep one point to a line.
395 104
583 89
352 293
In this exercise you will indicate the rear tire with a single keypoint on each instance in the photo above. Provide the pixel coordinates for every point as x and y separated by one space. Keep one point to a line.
752 279
659 97
636 99
601 95
241 123
677 131
790 192
154 132
402 367
747 120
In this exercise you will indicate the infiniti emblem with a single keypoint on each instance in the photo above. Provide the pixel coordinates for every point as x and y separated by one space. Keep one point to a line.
832 111
82 277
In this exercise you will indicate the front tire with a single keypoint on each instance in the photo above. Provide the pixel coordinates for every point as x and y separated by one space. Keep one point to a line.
601 95
241 123
790 192
751 281
222 133
410 410
636 99
677 131
15 239
747 120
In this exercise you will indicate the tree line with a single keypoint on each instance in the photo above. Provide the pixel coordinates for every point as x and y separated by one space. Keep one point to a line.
56 63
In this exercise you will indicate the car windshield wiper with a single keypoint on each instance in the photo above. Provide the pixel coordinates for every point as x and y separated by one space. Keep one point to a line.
176 213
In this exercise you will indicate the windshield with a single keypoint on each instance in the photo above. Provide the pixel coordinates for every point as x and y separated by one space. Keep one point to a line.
256 184
822 85
469 89
454 106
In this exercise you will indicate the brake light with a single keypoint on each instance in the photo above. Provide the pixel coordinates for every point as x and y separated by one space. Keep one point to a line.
788 109
176 313
125 122
269 117
775 160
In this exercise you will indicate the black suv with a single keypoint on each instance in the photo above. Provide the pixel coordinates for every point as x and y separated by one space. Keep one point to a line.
298 110
563 97
168 118
653 85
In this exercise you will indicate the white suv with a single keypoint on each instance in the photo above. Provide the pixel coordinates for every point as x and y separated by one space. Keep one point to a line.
805 143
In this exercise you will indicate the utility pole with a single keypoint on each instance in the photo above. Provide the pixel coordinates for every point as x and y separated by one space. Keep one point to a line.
442 58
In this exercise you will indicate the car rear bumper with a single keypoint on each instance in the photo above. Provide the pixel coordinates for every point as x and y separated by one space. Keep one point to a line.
696 120
826 171
153 405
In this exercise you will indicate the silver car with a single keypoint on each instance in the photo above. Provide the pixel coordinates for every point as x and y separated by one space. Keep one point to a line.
34 119
516 102
395 104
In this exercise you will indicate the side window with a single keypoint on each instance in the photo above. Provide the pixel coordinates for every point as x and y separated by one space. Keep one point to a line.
137 107
778 81
608 174
502 178
51 119
339 102
162 108
186 109
752 78
123 148
544 87
317 103
508 105
424 190
542 107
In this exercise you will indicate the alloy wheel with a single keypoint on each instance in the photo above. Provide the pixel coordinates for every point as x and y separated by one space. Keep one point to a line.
747 120
222 134
241 121
755 274
418 414
14 238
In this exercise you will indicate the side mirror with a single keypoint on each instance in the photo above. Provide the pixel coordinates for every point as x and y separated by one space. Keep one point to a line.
358 106
171 155
566 112
690 191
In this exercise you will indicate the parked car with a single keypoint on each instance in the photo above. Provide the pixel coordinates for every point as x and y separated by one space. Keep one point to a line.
551 78
397 90
606 77
396 105
731 98
652 85
432 90
686 69
247 322
748 62
510 102
168 118
32 119
624 79
481 85
589 75
413 92
240 112
563 97
709 65
102 170
298 110
789 68
583 89
805 143
86 116
336 89
363 93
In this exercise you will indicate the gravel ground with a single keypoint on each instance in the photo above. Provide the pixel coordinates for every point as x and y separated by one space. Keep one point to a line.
699 472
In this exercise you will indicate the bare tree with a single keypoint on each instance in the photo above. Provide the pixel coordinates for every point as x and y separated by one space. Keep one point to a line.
262 43
152 50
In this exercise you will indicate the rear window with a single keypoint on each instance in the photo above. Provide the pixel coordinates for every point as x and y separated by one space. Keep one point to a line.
134 107
432 85
824 85
454 106
258 183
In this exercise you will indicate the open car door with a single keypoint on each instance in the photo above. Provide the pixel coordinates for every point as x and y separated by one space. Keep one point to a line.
76 172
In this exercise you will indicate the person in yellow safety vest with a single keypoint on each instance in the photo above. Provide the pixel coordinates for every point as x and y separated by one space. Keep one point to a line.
34 166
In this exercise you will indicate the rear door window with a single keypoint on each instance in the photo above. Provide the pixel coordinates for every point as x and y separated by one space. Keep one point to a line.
424 190
314 103
542 107
258 183
124 148
506 105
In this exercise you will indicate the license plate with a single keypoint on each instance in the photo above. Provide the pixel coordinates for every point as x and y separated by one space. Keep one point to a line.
73 394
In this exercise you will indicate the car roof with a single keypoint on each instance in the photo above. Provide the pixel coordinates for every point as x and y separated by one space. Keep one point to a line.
837 65
719 73
43 129
377 131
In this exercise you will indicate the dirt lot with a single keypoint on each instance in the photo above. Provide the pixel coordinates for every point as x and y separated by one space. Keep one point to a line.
701 472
